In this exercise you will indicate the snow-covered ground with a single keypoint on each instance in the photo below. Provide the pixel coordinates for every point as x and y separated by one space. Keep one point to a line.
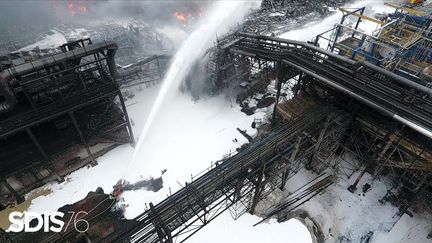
353 217
225 229
184 138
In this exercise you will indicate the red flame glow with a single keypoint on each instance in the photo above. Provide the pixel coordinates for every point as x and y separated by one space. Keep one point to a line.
182 16
75 7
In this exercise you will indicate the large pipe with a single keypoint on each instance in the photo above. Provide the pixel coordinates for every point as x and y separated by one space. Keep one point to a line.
350 93
398 78
29 67
393 76
302 44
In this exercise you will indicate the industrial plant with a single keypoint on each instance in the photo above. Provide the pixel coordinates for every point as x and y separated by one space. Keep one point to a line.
216 121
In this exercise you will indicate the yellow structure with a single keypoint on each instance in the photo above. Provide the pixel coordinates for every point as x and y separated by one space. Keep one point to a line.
346 11
408 9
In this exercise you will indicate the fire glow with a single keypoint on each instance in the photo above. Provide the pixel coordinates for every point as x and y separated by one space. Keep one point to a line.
75 7
183 17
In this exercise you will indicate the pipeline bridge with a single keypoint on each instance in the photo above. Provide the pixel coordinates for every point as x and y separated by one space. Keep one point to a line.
394 96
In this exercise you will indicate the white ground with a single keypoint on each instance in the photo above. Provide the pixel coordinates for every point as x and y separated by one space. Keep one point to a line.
343 215
184 139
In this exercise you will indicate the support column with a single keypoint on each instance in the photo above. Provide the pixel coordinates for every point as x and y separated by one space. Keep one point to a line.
281 70
48 160
318 144
290 161
237 191
353 187
19 199
77 128
159 69
163 232
258 189
359 20
391 140
373 158
131 136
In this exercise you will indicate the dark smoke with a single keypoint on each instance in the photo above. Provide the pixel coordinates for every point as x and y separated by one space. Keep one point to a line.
37 14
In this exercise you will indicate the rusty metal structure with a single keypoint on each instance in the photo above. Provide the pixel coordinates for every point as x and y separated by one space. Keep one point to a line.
57 113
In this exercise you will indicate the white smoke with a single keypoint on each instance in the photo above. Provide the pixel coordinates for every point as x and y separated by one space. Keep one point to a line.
222 16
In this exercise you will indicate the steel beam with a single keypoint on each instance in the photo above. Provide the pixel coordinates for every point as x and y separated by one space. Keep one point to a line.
19 199
48 161
281 71
318 144
131 135
81 135
290 161
258 189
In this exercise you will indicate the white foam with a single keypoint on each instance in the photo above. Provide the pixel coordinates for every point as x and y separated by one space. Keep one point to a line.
224 14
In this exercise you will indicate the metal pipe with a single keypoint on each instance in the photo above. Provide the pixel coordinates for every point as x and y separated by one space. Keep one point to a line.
303 44
397 78
413 125
387 25
375 68
350 93
29 67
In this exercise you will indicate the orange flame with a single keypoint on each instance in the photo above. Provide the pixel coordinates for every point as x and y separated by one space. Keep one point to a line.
75 7
182 16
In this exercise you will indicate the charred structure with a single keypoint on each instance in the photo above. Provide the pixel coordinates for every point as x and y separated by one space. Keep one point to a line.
58 113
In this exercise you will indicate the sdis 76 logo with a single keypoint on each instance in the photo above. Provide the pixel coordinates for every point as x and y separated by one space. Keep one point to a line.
50 222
